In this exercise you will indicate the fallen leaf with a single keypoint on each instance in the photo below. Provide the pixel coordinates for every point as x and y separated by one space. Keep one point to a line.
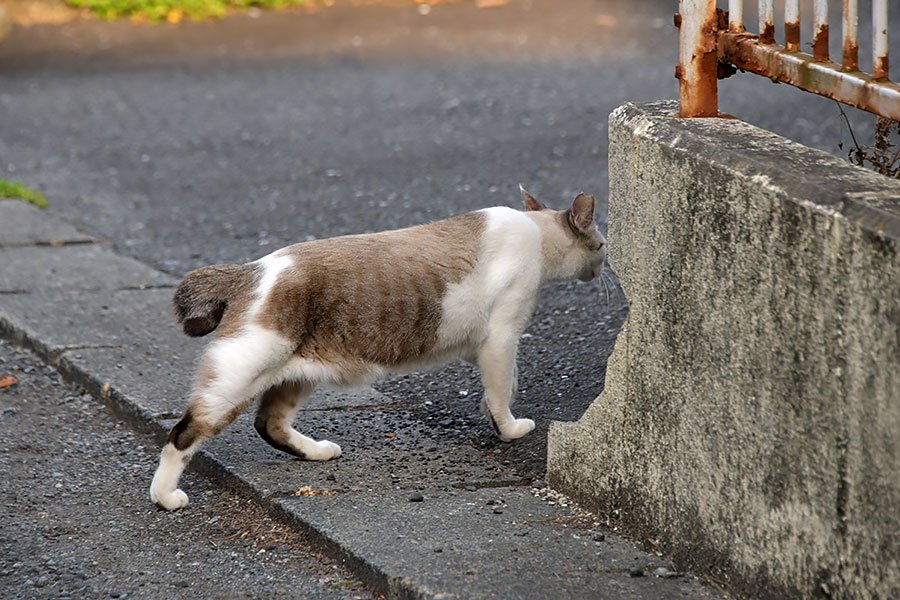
307 490
8 380
390 435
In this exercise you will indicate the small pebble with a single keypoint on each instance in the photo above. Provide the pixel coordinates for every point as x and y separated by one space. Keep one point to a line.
330 477
438 550
667 574
636 572
416 498
599 537
539 484
498 511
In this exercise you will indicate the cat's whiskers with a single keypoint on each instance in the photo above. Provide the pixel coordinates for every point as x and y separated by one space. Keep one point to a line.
606 281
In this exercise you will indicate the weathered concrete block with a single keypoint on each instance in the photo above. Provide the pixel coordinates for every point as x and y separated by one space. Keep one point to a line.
750 423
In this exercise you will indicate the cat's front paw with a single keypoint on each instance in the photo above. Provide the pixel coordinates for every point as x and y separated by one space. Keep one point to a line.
516 429
322 450
169 501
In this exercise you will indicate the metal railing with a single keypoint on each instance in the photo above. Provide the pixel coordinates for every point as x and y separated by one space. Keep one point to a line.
713 43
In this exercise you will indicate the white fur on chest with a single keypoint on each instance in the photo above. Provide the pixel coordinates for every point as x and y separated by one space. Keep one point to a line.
504 282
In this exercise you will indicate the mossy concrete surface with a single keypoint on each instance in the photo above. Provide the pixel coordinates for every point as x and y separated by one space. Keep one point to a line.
750 423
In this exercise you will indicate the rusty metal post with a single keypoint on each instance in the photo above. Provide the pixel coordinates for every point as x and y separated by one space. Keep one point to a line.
880 71
880 39
766 22
736 16
850 26
820 30
696 71
792 25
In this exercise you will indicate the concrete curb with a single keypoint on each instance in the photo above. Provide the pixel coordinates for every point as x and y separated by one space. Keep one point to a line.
482 531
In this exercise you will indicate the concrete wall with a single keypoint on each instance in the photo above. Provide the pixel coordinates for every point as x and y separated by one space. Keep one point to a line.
750 423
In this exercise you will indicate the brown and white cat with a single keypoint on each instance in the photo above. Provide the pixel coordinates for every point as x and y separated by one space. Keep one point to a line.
345 311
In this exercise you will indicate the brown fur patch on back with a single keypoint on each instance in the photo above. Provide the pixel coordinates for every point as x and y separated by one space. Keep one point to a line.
373 298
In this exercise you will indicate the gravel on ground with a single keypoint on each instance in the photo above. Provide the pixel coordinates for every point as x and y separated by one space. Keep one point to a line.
75 521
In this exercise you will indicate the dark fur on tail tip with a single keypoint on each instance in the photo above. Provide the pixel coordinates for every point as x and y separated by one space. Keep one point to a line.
204 294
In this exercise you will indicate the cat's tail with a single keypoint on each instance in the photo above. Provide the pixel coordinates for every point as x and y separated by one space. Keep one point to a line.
203 295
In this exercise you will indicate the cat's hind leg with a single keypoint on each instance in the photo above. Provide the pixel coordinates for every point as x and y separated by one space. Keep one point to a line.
277 408
499 374
232 373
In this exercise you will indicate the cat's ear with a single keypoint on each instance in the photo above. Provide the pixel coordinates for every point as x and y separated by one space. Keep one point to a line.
531 203
581 214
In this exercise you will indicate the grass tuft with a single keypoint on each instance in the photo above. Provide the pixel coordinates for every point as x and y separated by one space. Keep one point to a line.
15 189
174 10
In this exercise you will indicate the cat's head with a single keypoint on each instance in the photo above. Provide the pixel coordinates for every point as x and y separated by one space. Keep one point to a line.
580 251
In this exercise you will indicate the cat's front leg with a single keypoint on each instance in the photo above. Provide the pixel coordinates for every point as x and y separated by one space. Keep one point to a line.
472 359
497 361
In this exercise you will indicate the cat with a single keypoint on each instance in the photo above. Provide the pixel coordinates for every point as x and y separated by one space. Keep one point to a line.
345 311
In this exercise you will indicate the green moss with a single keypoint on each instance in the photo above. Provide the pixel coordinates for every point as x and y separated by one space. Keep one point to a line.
14 189
174 10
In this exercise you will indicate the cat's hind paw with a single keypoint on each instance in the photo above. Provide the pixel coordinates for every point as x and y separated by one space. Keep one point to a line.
516 429
322 450
169 501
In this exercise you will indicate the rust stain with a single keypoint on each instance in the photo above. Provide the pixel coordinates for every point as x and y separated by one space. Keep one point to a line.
698 89
820 44
851 56
880 68
743 51
738 50
792 36
722 19
679 72
677 19
768 34
708 35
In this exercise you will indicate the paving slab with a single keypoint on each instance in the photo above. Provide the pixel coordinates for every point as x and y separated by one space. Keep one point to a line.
53 321
81 267
24 224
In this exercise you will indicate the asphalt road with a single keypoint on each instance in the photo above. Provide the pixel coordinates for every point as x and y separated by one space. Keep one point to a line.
74 524
220 142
